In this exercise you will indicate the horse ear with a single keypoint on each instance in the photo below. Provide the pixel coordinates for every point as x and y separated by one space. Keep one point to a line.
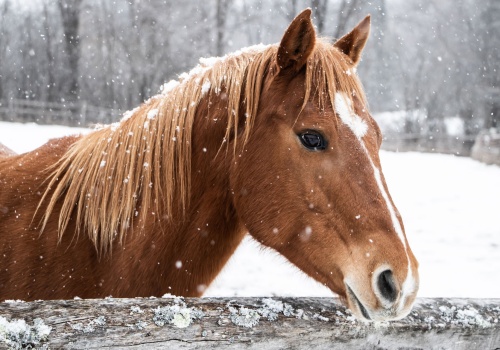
297 43
353 43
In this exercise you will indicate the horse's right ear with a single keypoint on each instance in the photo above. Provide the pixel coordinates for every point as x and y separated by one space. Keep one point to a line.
297 43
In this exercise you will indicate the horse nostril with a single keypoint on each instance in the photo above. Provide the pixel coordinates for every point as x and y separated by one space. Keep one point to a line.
386 285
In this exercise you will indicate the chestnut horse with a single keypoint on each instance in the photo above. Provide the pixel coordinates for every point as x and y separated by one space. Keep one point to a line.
272 140
5 151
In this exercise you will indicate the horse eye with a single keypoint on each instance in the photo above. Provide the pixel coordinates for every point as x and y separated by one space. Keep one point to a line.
313 140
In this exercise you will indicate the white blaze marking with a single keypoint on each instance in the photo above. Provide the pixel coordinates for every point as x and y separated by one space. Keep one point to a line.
343 106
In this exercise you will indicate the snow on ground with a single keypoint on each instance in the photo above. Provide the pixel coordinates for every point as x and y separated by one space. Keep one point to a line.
26 137
450 207
393 123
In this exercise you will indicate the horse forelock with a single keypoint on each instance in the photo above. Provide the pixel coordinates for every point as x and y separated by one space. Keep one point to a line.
129 172
329 72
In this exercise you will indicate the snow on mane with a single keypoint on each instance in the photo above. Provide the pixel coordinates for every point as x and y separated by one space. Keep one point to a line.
205 63
211 61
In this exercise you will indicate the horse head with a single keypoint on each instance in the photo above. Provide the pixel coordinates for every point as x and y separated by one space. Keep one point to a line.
308 181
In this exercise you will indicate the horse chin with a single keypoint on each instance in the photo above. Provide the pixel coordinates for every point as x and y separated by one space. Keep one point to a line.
367 314
357 308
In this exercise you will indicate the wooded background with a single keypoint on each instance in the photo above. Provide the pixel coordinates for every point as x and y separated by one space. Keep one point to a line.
441 57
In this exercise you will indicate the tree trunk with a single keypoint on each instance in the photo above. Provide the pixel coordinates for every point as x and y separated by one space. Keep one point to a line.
346 10
70 14
320 11
249 323
4 10
221 17
51 93
292 5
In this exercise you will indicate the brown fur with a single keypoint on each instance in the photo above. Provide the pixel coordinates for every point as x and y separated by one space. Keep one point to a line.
115 211
6 151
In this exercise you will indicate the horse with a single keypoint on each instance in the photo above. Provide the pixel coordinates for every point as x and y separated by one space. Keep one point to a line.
272 140
5 151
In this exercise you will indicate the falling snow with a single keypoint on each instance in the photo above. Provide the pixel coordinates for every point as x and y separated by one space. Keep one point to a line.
437 219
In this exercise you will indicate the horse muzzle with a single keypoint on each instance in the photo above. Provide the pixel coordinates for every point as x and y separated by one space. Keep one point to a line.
387 299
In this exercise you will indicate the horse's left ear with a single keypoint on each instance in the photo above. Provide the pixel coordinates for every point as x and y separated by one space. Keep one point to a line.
297 43
353 43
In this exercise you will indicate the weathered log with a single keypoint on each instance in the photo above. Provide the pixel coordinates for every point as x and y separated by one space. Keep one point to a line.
249 323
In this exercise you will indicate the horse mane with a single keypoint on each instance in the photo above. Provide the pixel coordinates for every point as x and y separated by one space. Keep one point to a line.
127 171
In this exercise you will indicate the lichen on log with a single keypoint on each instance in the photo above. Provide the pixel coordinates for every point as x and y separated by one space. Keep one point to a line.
269 323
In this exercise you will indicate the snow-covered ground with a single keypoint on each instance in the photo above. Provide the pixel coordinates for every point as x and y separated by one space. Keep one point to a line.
450 207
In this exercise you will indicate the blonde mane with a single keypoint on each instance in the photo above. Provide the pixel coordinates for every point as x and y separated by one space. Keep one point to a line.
130 170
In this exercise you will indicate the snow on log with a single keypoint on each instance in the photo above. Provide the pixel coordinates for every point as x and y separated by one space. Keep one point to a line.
243 323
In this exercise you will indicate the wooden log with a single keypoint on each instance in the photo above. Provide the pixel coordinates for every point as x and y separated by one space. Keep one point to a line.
244 323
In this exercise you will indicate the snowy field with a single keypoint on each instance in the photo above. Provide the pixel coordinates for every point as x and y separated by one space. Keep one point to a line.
450 207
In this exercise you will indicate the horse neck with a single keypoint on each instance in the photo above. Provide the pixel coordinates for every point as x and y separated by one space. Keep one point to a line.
188 253
5 151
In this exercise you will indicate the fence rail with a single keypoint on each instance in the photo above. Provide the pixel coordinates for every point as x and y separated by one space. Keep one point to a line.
244 323
437 143
67 113
82 114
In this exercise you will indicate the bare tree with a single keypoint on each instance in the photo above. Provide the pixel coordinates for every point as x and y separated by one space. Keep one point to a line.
220 23
48 38
70 14
147 50
287 9
320 11
4 9
292 10
440 57
489 53
345 13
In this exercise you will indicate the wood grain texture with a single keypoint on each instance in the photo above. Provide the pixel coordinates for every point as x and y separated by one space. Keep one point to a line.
278 323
